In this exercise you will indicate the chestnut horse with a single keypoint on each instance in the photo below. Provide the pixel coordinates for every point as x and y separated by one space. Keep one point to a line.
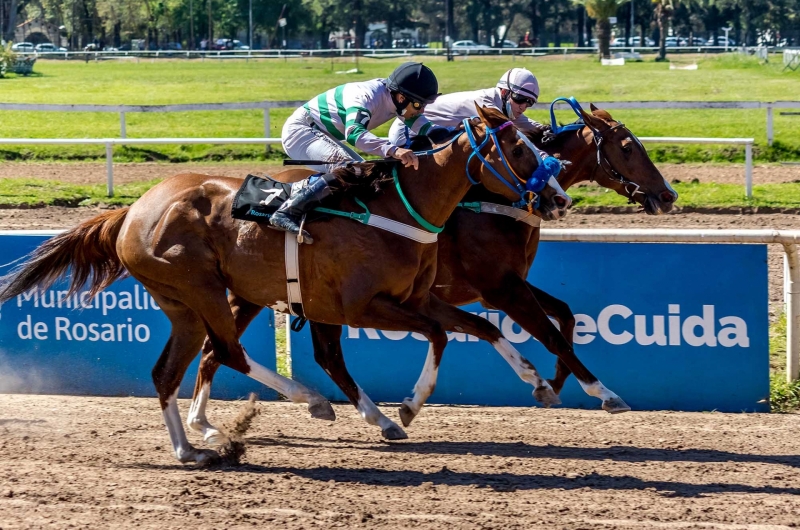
603 150
180 241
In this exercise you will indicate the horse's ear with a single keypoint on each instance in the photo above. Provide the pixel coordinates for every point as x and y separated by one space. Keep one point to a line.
590 118
491 116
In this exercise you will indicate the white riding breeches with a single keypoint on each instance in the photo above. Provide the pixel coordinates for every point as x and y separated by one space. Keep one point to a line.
302 141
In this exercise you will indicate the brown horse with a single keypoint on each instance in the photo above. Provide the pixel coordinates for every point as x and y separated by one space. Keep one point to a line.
602 150
181 243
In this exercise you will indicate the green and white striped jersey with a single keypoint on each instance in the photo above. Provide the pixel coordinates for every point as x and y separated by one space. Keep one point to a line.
348 112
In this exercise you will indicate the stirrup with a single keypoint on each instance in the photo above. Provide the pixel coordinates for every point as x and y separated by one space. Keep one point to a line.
287 224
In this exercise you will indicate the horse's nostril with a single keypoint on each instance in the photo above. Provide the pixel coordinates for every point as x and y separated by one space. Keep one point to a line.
560 201
667 196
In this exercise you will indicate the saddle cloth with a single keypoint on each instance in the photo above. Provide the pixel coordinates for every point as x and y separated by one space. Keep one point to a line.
259 197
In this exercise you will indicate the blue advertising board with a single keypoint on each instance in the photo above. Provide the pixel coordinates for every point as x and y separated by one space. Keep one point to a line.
51 344
665 326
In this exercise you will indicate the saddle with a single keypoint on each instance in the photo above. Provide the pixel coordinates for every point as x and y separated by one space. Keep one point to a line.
259 197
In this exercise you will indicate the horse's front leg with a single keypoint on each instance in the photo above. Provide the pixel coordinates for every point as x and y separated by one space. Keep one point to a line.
454 319
326 339
383 312
516 298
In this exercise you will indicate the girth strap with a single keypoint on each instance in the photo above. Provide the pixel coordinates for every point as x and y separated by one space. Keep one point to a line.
295 297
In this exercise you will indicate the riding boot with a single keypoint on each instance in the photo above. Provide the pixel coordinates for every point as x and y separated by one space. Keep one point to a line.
290 214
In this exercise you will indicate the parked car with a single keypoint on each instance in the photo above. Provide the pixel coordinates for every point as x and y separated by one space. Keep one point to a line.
619 41
697 41
470 46
46 47
647 41
671 42
507 44
720 41
23 47
405 43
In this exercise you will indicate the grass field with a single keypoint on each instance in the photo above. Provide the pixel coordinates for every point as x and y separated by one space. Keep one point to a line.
719 78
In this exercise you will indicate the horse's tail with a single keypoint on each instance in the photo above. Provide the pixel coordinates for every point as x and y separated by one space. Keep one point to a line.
89 250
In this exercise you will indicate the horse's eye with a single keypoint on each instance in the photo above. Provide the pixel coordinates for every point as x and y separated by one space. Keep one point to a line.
517 152
627 145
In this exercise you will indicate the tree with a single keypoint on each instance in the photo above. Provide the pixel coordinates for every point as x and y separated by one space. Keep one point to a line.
601 10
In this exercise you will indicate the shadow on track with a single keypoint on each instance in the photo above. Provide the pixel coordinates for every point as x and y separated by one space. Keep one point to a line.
501 482
617 453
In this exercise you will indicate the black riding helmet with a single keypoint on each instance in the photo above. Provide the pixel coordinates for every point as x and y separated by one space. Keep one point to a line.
415 81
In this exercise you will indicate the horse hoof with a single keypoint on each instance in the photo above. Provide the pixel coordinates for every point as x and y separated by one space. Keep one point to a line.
394 433
201 457
214 437
406 414
322 411
546 396
615 405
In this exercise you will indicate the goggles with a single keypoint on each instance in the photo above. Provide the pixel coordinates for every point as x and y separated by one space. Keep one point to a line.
518 98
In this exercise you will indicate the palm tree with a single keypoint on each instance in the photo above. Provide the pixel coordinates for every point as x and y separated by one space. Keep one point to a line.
600 10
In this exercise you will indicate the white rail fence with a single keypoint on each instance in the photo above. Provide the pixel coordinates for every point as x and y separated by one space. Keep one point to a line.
109 144
122 110
789 239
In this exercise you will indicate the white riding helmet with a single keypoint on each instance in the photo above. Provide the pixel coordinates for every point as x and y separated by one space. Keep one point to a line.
521 82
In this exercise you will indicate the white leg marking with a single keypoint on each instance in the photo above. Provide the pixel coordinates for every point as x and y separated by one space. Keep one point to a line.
183 449
425 384
196 420
523 368
291 389
371 413
598 390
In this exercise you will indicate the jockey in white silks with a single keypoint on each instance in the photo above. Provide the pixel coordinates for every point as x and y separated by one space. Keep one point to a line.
515 92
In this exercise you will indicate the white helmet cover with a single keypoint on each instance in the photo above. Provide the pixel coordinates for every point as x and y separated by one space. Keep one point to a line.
520 81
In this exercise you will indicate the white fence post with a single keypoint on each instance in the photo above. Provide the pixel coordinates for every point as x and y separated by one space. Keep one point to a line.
791 296
770 134
748 169
122 130
110 168
266 126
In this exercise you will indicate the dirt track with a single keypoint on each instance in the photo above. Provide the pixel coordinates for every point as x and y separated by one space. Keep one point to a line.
105 462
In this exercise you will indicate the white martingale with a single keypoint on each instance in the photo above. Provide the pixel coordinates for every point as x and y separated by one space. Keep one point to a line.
425 384
370 412
401 229
509 211
523 368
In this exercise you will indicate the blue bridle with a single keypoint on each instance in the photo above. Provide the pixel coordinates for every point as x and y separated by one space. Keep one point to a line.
516 186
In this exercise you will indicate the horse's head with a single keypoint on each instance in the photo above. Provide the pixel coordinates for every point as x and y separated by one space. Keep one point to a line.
624 165
511 162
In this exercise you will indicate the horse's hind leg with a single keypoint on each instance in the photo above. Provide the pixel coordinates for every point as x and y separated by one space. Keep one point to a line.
328 354
243 313
454 319
568 362
185 339
223 335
